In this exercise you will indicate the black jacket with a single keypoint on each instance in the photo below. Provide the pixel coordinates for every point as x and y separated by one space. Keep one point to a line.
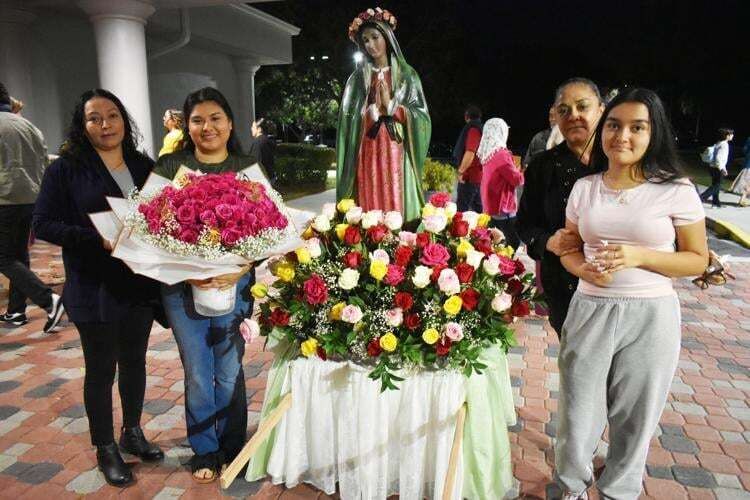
98 287
548 183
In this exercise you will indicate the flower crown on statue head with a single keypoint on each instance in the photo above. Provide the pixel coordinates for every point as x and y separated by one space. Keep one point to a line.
376 14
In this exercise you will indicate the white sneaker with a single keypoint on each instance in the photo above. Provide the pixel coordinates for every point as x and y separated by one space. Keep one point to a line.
55 313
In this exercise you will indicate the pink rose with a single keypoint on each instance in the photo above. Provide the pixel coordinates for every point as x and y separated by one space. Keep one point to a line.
351 314
434 254
448 282
188 235
507 266
407 238
230 236
394 317
208 217
453 331
440 199
394 275
185 214
224 211
249 329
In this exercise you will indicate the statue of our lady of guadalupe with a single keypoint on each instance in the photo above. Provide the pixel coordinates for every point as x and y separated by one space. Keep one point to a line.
384 125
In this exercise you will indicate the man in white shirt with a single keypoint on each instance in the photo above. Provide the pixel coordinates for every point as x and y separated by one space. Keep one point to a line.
718 167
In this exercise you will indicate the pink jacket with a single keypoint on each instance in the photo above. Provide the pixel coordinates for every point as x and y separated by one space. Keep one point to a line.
499 180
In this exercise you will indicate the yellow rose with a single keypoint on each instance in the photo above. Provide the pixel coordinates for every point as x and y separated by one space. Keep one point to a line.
285 271
452 306
428 210
506 251
303 255
378 269
344 205
335 313
483 220
388 342
259 290
463 247
430 336
309 347
341 230
309 233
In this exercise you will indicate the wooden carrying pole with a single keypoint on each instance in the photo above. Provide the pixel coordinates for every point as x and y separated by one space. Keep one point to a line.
458 437
264 429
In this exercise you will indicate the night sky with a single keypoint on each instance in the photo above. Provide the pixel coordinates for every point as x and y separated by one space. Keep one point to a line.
508 56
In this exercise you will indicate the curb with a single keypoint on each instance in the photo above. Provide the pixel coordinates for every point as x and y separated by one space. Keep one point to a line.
727 229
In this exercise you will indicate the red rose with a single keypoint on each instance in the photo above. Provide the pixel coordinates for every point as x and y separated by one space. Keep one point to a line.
373 347
470 298
434 254
465 272
520 268
412 321
322 353
377 233
279 317
520 308
352 236
459 228
353 259
436 272
483 245
440 199
403 300
507 266
316 291
422 239
443 347
515 287
394 275
402 256
481 233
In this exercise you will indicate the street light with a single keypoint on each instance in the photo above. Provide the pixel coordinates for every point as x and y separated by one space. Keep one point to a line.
312 58
324 58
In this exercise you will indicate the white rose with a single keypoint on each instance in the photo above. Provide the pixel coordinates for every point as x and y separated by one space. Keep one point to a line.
448 282
450 209
321 223
491 265
372 218
474 258
394 317
313 246
380 255
471 218
501 302
354 215
394 220
435 223
349 279
329 210
422 276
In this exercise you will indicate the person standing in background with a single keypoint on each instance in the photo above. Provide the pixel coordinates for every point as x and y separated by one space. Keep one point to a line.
469 166
23 159
741 184
173 122
717 167
539 141
263 147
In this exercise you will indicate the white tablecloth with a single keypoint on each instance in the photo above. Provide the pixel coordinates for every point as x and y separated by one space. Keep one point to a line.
342 429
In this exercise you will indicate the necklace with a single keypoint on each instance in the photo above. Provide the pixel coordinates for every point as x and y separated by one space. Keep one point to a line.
122 162
619 196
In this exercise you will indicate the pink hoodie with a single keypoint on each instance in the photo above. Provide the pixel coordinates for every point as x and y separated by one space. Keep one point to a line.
499 180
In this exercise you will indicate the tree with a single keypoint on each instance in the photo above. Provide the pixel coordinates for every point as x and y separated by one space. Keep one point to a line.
302 96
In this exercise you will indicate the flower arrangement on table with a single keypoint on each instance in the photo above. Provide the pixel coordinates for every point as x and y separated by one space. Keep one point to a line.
363 289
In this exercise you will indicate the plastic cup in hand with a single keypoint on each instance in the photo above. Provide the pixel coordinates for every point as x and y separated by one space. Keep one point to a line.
214 301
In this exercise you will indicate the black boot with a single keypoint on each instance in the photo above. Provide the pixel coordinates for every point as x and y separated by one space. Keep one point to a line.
114 468
134 442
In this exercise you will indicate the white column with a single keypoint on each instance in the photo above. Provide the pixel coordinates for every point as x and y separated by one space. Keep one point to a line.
245 115
119 29
15 61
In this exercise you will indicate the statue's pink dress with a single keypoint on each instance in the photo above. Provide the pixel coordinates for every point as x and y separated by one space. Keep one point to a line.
380 176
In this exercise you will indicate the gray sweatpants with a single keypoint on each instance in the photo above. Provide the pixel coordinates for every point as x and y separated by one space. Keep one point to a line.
617 360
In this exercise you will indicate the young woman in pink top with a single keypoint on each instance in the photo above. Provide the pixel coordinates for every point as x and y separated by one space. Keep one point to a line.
621 339
500 177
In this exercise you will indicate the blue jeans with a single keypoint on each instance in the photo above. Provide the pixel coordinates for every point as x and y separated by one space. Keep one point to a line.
211 350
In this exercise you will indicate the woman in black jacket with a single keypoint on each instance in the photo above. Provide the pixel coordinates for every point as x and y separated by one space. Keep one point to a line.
549 180
111 307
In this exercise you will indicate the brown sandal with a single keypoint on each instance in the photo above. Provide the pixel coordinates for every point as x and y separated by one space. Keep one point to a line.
715 274
200 464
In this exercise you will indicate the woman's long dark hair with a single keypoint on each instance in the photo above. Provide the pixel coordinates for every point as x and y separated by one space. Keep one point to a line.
660 162
77 144
203 95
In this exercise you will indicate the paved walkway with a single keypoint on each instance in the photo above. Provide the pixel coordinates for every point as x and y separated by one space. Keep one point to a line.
701 449
731 220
